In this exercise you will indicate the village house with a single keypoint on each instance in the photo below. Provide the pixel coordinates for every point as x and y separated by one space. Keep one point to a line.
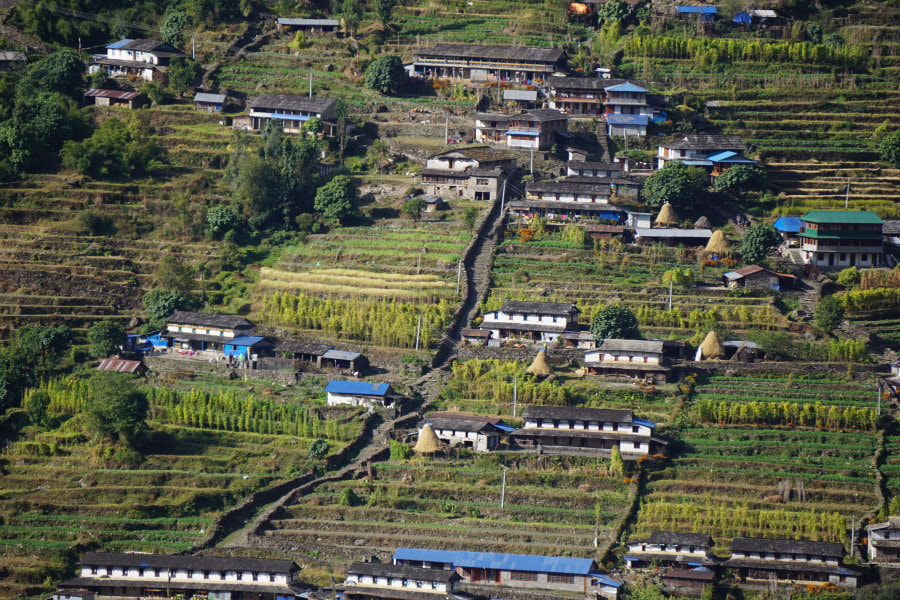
884 542
629 360
488 63
475 432
531 321
757 278
671 236
626 125
574 198
292 111
198 332
841 238
475 173
139 575
371 581
670 549
582 168
309 25
687 582
115 98
521 99
248 347
586 432
536 129
10 60
626 98
705 14
68 594
141 59
359 393
118 365
209 102
343 359
789 562
698 150
576 95
520 571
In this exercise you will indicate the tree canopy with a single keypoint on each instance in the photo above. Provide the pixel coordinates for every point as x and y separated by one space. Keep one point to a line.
117 149
115 409
105 337
616 322
741 179
173 273
414 207
677 184
183 73
385 74
29 355
829 313
890 148
758 241
384 9
337 199
159 304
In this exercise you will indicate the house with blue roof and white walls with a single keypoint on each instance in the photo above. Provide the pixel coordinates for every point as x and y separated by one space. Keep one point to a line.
516 571
360 393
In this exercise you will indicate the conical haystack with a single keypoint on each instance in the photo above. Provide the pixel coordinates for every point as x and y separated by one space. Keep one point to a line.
540 366
712 346
666 216
702 223
718 243
428 442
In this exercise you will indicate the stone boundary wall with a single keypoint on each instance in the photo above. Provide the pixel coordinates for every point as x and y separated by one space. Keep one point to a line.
556 356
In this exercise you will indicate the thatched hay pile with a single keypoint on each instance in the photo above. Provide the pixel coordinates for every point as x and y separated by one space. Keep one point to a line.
718 243
712 346
428 443
540 366
666 216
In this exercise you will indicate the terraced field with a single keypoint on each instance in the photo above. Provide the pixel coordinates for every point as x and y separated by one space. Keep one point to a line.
535 270
552 506
785 458
59 494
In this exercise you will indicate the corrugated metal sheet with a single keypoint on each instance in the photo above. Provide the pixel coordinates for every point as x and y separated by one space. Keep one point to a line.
118 365
211 98
523 95
358 388
504 562
118 94
341 355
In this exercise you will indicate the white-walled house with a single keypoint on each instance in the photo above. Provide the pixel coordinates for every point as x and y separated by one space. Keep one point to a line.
582 168
475 173
531 321
477 432
359 393
138 575
586 432
291 111
695 150
202 331
670 549
629 359
842 238
789 562
141 59
367 580
533 129
884 542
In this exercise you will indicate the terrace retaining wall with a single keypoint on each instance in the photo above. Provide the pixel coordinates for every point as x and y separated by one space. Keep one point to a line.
748 369
556 356
162 364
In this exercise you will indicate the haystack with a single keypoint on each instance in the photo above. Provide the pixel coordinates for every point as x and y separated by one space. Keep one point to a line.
712 346
718 243
540 366
428 442
666 216
702 223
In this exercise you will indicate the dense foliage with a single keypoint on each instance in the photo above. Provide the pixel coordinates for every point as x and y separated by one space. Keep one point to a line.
336 199
115 409
757 242
741 179
679 185
105 337
385 74
829 313
615 322
29 355
117 149
890 148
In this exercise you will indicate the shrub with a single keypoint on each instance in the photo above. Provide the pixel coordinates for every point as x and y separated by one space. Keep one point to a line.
848 277
617 322
890 148
105 337
385 74
318 449
95 223
400 451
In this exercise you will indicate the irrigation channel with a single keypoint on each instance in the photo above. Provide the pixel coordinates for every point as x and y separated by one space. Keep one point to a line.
239 527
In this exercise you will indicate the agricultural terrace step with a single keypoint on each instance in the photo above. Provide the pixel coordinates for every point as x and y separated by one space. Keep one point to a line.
753 497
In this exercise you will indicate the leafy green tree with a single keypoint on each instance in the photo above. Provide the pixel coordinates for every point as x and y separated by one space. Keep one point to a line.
680 276
616 464
175 274
413 208
385 74
159 304
890 148
470 216
677 184
43 345
740 179
172 26
616 322
849 277
105 337
348 497
829 313
298 42
352 14
313 126
183 73
117 149
336 199
340 112
115 410
379 153
318 449
384 9
220 219
59 73
758 241
35 405
100 80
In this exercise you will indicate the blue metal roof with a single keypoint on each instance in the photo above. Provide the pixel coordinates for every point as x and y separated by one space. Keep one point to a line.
505 562
789 224
620 119
358 388
742 17
605 580
246 340
523 132
504 427
697 162
119 44
729 156
625 87
703 10
643 422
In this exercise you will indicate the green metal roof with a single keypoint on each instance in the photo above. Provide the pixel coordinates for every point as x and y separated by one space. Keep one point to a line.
840 235
843 216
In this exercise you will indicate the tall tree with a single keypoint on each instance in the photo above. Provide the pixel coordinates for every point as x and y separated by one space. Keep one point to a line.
385 9
758 241
616 322
677 184
385 74
829 313
115 410
105 337
337 199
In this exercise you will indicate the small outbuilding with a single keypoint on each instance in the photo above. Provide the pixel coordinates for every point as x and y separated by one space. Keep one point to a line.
468 431
10 60
687 582
757 278
209 102
309 25
359 393
521 98
434 204
122 366
343 359
248 347
672 237
475 337
100 97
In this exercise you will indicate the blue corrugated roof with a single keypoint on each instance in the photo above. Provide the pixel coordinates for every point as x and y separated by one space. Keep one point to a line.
119 44
605 579
625 87
358 388
505 562
729 156
246 340
697 162
704 10
620 119
789 224
643 422
504 427
523 132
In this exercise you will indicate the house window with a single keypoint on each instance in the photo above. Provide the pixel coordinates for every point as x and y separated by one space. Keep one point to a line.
567 579
481 182
635 429
522 576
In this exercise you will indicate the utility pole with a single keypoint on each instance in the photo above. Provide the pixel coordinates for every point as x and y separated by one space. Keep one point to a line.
79 45
847 194
515 395
502 198
852 534
418 331
310 82
670 294
447 127
531 164
878 402
193 47
503 488
458 275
